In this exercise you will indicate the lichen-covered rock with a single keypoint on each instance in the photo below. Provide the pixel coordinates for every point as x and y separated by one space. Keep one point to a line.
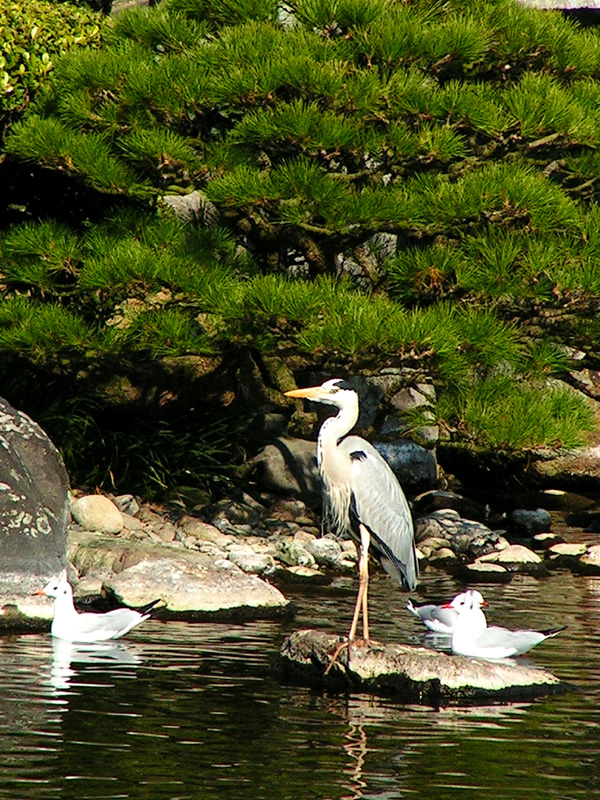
565 555
410 674
95 512
543 541
188 582
34 516
484 572
247 560
465 537
517 558
589 562
294 554
326 552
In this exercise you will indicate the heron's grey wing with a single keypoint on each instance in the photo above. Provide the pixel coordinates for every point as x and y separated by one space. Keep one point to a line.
380 504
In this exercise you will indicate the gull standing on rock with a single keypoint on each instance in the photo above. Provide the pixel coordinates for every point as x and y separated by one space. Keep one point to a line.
362 495
473 637
72 626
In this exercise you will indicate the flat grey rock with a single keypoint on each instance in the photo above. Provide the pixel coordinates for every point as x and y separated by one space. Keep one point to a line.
188 582
410 674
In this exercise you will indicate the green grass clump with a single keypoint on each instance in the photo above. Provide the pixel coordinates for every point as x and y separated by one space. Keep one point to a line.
501 413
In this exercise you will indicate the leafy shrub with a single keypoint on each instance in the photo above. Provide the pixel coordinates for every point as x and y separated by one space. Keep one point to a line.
33 33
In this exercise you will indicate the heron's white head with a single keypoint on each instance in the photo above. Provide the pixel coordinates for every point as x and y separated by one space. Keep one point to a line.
463 603
58 587
334 392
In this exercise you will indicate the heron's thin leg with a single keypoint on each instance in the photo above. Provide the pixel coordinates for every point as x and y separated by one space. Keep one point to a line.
363 574
365 542
365 603
357 609
361 598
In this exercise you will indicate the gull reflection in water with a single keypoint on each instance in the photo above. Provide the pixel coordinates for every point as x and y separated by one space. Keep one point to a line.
70 659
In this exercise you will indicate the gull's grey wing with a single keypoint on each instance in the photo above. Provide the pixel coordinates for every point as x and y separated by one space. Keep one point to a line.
519 641
107 626
437 618
447 616
379 504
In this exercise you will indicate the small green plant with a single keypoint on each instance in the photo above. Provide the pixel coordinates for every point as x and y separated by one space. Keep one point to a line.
32 36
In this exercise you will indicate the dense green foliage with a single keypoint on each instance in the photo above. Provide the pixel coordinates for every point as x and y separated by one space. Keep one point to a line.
32 35
467 131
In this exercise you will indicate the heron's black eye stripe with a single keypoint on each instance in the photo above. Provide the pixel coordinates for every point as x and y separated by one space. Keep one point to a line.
344 385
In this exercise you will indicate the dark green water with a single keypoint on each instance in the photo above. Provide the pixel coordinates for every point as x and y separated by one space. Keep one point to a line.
181 711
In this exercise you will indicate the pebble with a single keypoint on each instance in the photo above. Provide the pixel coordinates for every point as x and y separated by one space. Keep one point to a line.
95 512
486 573
326 552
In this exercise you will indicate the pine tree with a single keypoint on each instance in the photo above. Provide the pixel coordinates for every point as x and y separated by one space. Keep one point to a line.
395 183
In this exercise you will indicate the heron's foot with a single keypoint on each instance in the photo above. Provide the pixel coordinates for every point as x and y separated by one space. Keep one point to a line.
363 642
335 654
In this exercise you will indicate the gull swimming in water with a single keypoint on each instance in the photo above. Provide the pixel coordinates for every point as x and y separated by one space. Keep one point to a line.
439 619
73 626
473 637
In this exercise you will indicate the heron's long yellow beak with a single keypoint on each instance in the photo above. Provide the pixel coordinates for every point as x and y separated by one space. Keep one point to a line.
313 391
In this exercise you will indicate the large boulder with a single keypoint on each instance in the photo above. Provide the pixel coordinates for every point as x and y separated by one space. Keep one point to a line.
34 515
410 674
188 582
288 466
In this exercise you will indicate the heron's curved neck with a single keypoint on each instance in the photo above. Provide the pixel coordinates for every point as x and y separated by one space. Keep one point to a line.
335 428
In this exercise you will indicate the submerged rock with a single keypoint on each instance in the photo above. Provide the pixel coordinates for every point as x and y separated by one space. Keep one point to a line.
484 572
517 558
410 674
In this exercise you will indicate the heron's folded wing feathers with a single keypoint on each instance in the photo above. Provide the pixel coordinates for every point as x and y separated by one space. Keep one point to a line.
381 506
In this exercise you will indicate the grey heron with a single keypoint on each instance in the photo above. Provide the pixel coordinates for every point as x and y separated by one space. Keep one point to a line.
362 495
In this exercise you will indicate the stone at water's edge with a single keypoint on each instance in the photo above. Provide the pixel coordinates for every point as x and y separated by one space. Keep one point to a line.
34 515
410 674
95 512
188 582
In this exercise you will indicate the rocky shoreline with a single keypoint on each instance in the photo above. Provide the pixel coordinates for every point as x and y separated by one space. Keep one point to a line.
119 548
